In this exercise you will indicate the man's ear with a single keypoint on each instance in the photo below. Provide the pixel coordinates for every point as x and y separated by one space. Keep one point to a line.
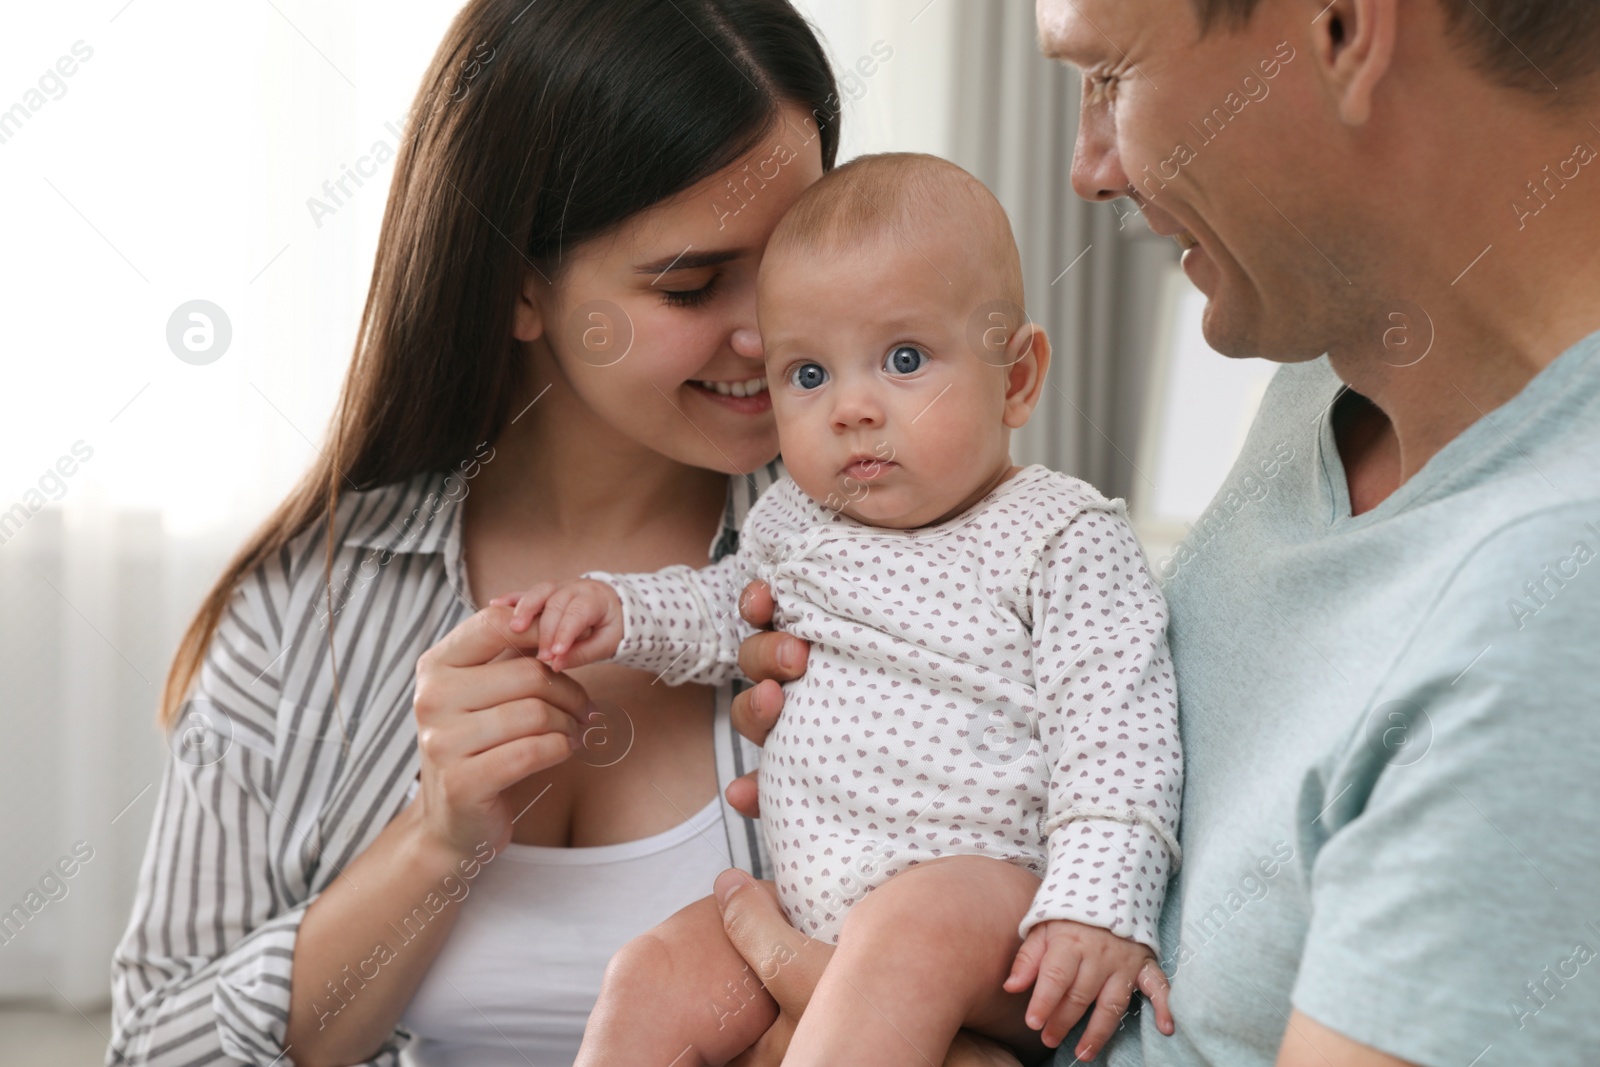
1028 359
527 320
1353 41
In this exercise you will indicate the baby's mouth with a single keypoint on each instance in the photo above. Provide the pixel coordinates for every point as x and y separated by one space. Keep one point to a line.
865 468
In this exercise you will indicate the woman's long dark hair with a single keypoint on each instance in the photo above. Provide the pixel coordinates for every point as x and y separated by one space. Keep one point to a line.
538 126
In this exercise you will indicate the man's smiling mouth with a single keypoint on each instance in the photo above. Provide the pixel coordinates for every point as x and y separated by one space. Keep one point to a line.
1163 224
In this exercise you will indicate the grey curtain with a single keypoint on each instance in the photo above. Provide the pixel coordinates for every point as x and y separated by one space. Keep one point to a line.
1014 125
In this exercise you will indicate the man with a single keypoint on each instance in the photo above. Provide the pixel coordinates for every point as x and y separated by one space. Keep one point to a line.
1385 627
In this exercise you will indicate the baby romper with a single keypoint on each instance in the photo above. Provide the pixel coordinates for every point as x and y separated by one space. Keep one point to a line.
997 684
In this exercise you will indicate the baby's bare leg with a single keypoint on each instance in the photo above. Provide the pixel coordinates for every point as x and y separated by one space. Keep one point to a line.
678 994
919 957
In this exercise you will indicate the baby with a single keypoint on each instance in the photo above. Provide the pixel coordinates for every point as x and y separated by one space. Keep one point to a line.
985 735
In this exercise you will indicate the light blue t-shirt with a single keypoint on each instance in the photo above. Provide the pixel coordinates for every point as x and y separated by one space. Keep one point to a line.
1391 725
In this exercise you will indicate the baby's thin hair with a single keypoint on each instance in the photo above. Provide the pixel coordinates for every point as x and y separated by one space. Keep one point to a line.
899 195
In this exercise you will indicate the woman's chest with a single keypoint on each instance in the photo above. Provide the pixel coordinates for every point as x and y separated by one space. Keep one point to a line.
535 932
647 760
647 763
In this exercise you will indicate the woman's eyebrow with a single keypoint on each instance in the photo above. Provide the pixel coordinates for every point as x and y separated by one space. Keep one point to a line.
688 260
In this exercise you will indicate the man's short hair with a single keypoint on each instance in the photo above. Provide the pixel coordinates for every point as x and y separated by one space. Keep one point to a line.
1524 44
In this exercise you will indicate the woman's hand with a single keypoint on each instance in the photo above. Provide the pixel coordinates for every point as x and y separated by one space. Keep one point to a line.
767 659
488 715
790 964
580 620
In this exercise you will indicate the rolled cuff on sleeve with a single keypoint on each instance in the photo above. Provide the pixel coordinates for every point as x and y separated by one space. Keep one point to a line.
193 981
1104 872
251 997
251 992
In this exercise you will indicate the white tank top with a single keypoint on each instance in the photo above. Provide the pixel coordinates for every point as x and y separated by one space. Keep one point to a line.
521 970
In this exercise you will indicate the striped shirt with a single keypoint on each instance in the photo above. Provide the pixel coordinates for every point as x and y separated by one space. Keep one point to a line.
264 800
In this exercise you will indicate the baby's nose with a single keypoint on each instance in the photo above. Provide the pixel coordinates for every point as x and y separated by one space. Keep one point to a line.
857 408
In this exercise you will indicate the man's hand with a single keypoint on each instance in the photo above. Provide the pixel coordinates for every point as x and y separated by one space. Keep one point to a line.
1077 965
766 659
787 962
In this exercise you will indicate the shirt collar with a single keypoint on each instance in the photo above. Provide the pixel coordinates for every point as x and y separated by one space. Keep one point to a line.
423 513
413 516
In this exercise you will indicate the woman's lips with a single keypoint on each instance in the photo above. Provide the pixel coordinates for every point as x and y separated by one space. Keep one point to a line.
744 405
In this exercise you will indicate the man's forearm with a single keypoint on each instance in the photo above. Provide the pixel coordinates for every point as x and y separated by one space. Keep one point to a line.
1307 1043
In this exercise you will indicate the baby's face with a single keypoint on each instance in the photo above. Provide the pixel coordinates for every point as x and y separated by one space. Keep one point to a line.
885 411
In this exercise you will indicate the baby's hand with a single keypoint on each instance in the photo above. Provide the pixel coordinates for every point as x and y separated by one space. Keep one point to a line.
1078 965
580 621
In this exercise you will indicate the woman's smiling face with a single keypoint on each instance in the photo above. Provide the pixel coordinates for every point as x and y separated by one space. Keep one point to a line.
654 326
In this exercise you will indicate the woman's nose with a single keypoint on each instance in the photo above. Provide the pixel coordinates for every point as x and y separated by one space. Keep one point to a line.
746 342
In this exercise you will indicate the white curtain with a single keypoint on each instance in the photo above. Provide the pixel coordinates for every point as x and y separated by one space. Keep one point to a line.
1093 272
158 153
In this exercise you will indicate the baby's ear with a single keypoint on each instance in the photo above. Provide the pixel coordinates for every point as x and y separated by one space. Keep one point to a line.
1028 358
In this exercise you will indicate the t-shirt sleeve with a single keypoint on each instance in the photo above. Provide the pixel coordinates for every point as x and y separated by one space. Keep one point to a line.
1107 711
1452 862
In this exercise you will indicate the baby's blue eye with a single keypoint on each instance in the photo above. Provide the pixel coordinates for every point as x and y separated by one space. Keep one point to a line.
808 376
904 360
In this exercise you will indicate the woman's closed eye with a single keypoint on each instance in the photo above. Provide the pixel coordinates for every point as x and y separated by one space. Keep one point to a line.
904 359
688 298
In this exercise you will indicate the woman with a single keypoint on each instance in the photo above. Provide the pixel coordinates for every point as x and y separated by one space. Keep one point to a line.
557 369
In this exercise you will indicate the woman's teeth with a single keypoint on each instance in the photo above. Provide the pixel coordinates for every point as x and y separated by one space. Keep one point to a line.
749 387
1185 240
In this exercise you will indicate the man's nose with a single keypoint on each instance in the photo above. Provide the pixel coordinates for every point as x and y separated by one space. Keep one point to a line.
1096 166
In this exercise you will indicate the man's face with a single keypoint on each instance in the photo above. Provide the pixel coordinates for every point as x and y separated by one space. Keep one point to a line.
1224 143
